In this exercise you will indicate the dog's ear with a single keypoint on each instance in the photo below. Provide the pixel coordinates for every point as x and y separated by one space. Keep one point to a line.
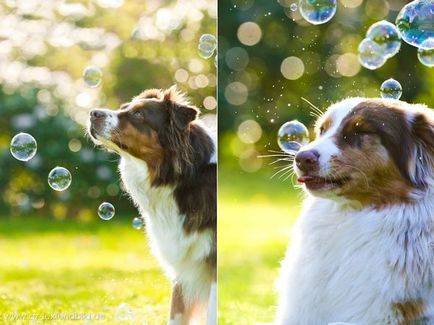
180 112
421 164
182 115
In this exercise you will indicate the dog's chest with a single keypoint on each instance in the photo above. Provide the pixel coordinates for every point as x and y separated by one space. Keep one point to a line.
158 206
354 266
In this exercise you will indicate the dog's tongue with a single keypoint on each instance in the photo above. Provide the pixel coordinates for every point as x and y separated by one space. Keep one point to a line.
303 179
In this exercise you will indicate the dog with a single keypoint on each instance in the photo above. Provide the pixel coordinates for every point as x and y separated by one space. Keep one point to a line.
168 167
362 250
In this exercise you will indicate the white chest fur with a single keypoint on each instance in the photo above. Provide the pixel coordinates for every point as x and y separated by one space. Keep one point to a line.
352 266
176 250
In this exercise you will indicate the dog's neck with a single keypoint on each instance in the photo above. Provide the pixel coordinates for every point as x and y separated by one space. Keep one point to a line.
421 205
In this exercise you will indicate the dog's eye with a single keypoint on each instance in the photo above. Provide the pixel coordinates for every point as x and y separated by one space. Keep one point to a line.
137 114
321 130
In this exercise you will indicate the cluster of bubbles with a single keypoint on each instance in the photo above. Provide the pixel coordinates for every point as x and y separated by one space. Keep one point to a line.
414 25
23 147
207 46
317 11
106 211
59 178
92 76
391 89
382 42
292 136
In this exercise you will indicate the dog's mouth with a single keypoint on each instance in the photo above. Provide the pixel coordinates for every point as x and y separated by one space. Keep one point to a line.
322 183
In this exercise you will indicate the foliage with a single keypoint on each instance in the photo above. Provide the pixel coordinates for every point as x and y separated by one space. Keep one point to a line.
331 69
45 47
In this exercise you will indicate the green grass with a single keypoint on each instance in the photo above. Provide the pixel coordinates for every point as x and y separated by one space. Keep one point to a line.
49 267
255 219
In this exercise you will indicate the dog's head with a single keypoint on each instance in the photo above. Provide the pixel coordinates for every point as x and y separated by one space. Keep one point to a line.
154 127
373 151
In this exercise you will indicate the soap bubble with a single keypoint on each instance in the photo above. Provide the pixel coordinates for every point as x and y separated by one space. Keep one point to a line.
23 147
106 211
415 23
59 178
391 89
293 6
426 56
124 312
292 135
92 76
137 223
207 45
386 35
317 11
370 54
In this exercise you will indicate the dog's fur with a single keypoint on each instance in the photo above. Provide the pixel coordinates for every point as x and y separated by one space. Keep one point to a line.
168 167
362 250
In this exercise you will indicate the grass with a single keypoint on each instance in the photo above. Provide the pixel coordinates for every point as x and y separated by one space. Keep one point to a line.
51 269
255 219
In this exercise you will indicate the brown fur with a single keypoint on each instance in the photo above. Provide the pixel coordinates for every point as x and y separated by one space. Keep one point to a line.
410 311
323 124
176 151
376 143
142 146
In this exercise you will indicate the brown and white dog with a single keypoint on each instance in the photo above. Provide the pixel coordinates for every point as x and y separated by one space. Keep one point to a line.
168 167
363 247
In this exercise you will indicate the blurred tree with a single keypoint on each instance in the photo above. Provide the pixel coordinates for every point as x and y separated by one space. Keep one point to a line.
270 58
44 47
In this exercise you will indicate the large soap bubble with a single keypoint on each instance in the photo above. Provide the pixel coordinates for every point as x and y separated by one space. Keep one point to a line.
386 35
92 76
292 135
23 146
391 89
371 55
425 55
317 11
106 211
207 46
59 178
415 22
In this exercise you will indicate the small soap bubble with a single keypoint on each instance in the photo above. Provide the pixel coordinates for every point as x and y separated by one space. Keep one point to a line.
106 211
292 135
425 54
386 35
391 89
137 223
92 76
124 312
415 22
23 146
207 45
370 54
59 178
317 11
293 6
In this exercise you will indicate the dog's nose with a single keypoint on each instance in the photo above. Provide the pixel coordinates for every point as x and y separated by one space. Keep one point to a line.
307 160
97 114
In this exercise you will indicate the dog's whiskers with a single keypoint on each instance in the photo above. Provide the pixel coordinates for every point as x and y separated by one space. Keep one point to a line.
314 108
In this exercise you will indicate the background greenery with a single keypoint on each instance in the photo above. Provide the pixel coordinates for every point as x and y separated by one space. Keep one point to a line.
256 212
57 255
